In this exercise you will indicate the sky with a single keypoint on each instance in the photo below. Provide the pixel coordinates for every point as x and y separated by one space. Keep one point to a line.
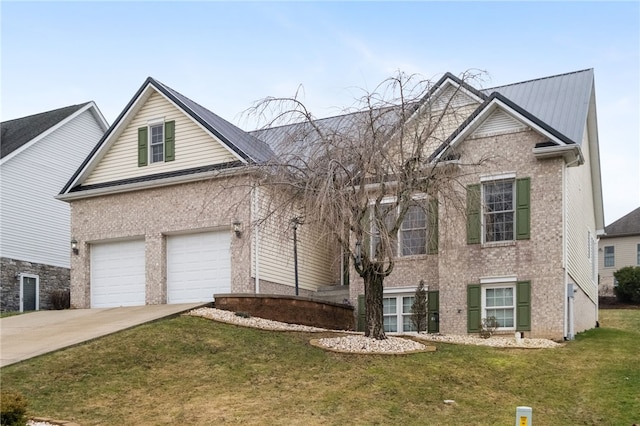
228 55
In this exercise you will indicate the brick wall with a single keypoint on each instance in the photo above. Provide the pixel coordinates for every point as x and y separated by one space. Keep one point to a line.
152 214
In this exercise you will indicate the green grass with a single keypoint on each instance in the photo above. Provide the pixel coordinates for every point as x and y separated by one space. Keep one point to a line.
190 370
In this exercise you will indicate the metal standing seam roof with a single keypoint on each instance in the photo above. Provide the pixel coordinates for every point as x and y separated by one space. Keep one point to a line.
18 132
243 143
561 101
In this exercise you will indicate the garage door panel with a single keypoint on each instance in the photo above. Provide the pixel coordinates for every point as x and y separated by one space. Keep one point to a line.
198 266
117 274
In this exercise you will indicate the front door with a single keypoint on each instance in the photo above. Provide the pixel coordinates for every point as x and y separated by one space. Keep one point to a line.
433 312
28 293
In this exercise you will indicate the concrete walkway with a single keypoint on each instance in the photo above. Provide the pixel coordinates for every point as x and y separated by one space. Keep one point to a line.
28 335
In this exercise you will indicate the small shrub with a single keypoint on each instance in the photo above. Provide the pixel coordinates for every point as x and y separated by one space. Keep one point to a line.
488 327
13 409
243 314
60 299
419 308
628 289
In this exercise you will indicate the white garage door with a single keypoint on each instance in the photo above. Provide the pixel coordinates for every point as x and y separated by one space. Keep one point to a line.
198 266
117 274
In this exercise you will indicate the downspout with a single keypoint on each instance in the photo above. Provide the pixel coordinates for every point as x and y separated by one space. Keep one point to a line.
564 252
256 239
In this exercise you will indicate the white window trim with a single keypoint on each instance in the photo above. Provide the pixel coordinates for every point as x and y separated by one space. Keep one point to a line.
604 257
21 277
398 293
152 123
498 284
487 180
392 199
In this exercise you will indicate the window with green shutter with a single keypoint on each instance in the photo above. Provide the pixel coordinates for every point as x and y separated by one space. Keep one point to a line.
432 244
142 146
523 209
156 143
474 308
523 306
473 214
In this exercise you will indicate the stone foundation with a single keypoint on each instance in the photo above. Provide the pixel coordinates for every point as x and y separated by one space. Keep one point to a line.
50 278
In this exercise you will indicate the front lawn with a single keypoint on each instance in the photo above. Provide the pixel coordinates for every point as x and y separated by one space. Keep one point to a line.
190 370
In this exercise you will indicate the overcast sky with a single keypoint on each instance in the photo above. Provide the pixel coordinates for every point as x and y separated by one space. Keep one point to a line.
226 56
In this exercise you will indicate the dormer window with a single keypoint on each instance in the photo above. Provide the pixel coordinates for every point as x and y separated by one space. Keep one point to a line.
156 142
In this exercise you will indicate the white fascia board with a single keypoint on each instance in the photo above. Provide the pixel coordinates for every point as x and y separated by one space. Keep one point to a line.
571 153
487 111
112 137
96 113
136 186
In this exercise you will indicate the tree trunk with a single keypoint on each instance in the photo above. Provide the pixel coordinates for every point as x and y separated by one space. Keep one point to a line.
373 288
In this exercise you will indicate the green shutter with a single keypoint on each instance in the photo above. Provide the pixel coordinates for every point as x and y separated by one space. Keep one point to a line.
361 313
474 297
473 214
523 306
433 311
432 245
142 146
365 246
523 209
169 141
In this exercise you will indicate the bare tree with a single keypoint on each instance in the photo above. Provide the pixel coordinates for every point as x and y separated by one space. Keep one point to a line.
360 175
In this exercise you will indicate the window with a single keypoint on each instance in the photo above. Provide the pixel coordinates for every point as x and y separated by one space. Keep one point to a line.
397 313
498 302
638 255
502 297
498 211
609 256
157 143
412 237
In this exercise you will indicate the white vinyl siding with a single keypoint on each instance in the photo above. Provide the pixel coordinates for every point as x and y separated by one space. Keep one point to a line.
580 217
35 226
194 147
498 122
275 252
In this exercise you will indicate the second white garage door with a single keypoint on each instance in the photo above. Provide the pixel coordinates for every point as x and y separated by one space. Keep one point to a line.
198 266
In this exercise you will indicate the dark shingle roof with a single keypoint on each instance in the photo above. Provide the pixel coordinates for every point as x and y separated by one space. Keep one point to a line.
17 132
626 225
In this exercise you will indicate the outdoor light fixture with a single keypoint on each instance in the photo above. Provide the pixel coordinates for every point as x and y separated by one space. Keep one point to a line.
74 246
237 228
358 253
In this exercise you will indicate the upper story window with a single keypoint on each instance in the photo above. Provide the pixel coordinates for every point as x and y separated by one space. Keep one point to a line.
417 234
156 142
498 210
609 256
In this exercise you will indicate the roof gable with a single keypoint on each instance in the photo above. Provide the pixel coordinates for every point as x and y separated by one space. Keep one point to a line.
18 133
243 147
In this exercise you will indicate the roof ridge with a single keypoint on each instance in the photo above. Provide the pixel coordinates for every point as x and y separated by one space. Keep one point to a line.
77 106
536 79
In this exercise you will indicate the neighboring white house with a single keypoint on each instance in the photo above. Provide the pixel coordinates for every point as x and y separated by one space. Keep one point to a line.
619 247
39 153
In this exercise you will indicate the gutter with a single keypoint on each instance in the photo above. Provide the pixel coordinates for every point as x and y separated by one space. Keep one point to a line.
572 154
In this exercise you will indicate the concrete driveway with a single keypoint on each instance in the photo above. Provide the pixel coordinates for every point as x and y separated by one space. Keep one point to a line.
28 335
